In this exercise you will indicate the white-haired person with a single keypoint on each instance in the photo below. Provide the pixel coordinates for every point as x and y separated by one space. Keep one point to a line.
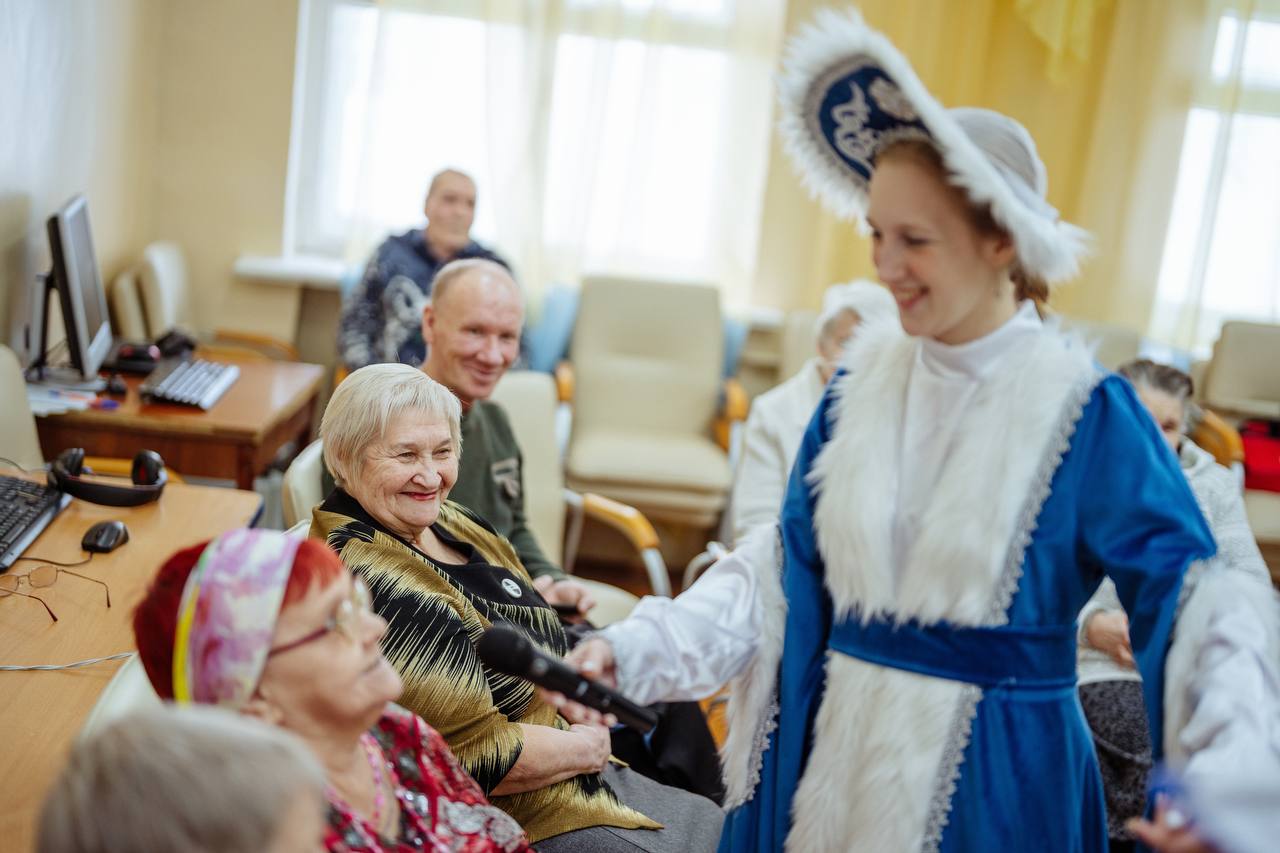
907 681
1228 621
779 416
194 778
440 575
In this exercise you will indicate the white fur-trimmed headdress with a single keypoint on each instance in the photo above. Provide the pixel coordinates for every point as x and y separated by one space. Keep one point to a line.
846 93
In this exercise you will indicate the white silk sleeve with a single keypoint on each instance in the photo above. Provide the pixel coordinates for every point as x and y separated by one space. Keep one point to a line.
1223 675
1226 732
686 648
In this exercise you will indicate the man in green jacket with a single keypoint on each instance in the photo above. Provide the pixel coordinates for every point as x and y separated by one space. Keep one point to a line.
472 329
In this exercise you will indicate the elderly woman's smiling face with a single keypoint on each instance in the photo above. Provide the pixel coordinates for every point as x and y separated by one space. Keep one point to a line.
406 475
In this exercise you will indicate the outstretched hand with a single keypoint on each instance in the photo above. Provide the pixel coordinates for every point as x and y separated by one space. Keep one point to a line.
593 658
1170 832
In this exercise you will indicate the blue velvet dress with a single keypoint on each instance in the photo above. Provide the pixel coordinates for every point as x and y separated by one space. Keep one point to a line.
1026 777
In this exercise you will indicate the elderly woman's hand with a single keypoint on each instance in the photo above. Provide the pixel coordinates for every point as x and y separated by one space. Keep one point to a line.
596 746
1108 632
566 592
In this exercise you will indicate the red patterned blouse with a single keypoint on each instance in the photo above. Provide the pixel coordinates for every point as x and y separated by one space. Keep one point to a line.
441 807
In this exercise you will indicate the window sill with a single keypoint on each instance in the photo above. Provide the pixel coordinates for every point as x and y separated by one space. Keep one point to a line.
308 270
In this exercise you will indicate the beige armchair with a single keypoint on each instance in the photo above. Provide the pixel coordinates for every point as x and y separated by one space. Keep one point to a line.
1242 381
302 489
796 342
154 297
17 425
652 420
1114 345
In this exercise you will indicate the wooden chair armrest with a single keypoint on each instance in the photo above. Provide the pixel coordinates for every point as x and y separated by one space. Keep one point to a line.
627 520
112 466
732 412
735 400
1219 438
564 381
265 344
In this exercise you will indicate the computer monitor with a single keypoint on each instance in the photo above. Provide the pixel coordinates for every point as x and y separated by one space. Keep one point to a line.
76 277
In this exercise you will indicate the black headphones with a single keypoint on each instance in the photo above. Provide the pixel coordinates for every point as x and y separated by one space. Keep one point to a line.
148 477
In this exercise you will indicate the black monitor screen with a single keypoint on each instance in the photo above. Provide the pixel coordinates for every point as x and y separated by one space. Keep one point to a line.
79 283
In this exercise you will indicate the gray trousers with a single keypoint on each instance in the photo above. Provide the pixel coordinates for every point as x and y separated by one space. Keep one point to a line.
692 823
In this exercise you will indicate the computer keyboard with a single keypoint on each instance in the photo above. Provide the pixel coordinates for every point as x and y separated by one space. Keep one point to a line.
26 508
193 383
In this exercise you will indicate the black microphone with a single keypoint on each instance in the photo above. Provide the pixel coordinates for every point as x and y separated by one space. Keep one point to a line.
509 651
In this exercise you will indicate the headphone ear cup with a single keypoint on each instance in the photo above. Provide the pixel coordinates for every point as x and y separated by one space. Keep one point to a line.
71 461
147 467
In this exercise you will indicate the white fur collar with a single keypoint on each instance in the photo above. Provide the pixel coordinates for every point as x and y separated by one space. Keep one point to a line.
954 569
886 782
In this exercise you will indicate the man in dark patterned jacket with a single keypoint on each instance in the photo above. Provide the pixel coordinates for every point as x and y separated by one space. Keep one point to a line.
382 319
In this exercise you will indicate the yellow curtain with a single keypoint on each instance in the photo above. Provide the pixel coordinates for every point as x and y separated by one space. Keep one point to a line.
1108 130
1066 27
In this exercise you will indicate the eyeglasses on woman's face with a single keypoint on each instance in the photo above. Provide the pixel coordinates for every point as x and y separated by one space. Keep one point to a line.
346 619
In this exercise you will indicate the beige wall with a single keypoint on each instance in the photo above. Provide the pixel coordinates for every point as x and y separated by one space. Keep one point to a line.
172 116
77 114
225 108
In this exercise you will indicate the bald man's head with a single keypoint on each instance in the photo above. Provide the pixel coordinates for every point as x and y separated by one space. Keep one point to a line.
480 270
450 209
472 327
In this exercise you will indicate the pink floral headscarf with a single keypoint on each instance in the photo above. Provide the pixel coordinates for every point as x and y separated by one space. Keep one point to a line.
228 615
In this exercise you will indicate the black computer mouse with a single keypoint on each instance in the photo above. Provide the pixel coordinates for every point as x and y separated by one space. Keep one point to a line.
116 385
104 537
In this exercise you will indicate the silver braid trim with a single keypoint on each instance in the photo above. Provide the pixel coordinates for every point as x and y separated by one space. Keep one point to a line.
768 725
949 767
967 708
1028 519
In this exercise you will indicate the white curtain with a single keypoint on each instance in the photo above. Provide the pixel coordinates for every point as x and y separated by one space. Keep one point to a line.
1221 257
612 136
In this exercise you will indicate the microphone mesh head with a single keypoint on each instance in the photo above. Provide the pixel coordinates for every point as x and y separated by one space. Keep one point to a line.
506 650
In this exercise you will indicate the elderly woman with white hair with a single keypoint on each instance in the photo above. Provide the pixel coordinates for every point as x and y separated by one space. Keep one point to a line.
441 576
779 416
186 778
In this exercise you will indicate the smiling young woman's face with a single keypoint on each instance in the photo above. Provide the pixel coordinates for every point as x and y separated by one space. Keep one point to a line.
407 474
950 281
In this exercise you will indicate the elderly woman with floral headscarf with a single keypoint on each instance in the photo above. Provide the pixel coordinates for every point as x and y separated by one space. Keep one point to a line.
273 626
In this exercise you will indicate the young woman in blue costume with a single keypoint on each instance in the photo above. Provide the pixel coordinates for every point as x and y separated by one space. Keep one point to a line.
907 680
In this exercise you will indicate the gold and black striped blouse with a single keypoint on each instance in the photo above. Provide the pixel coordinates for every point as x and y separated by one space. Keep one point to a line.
436 613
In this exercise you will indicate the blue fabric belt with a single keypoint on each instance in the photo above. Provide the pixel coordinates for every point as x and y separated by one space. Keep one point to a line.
1003 656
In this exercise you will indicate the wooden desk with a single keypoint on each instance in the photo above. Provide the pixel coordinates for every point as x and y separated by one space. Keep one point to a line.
41 712
270 404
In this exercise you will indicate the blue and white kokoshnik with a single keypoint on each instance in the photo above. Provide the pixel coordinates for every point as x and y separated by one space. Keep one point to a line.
846 93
